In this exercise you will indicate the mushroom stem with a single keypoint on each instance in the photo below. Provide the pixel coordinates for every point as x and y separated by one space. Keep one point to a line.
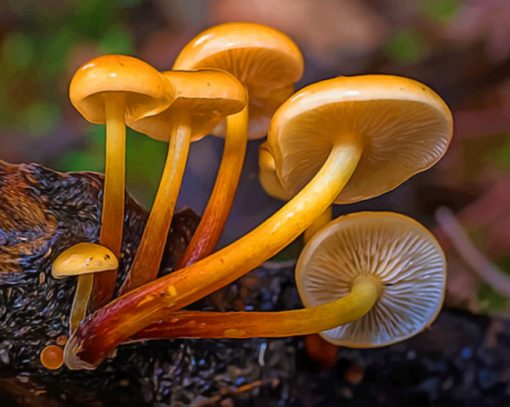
102 285
80 301
364 293
148 257
211 226
117 321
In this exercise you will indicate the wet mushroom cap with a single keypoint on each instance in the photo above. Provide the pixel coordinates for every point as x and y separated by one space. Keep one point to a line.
146 92
392 248
207 95
267 175
405 128
84 258
52 357
265 60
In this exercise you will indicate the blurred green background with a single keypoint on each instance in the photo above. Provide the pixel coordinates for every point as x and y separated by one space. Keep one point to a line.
460 48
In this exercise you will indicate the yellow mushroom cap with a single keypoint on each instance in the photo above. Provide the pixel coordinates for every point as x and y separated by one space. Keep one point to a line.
84 258
267 174
265 60
207 96
146 92
404 126
393 248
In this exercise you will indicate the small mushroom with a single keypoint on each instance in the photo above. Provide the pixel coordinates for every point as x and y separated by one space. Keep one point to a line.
267 63
363 134
52 357
79 260
368 279
108 90
202 99
83 258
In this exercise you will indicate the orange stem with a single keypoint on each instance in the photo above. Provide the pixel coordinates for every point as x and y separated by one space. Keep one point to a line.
112 216
213 221
117 321
198 324
148 257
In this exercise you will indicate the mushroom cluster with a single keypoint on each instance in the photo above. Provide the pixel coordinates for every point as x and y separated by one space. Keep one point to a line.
365 279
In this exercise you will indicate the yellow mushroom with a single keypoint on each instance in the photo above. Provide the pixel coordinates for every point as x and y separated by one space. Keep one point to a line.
108 90
363 135
80 260
267 63
83 258
368 279
202 99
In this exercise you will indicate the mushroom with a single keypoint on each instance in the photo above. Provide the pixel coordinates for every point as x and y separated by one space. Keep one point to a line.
367 279
267 63
363 135
202 99
273 187
79 260
52 357
84 258
110 89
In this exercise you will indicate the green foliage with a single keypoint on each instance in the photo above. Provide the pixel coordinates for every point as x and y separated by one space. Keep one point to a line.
33 64
41 117
91 18
89 158
490 301
406 46
18 51
116 40
145 161
442 11
502 154
54 52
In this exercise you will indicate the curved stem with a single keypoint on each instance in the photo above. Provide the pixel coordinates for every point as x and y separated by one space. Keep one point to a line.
102 285
211 226
196 324
148 257
117 321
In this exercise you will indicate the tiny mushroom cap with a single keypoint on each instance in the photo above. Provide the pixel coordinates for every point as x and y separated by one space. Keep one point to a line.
84 258
393 249
144 89
265 60
404 128
267 174
205 96
52 357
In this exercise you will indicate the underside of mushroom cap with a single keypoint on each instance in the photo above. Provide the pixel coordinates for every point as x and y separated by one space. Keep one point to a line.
144 89
404 127
205 96
392 248
265 60
267 174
